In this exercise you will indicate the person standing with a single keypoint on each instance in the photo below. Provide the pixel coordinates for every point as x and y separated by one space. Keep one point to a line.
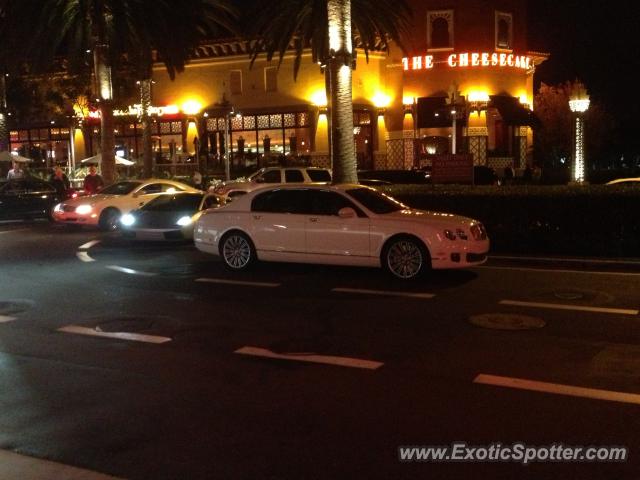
197 180
509 174
15 172
59 181
93 182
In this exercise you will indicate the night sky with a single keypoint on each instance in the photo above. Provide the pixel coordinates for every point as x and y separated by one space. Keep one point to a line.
599 43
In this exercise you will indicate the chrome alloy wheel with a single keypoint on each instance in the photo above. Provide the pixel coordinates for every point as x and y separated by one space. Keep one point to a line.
237 251
405 259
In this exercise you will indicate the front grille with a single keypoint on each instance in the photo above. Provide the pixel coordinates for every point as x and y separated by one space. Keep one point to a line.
173 235
68 208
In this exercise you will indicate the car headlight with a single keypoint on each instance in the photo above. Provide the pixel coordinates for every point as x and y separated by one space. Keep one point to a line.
58 208
84 209
184 221
478 231
127 220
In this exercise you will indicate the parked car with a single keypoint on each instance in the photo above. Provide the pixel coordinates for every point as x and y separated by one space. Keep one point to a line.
340 225
27 198
396 176
169 217
625 182
273 175
105 208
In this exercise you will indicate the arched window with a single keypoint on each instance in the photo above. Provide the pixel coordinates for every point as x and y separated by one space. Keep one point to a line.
440 29
440 33
504 22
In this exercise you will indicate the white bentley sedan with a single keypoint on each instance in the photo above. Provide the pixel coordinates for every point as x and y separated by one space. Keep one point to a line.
104 209
339 225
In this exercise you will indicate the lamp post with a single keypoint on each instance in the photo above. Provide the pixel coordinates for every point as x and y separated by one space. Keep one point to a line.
579 104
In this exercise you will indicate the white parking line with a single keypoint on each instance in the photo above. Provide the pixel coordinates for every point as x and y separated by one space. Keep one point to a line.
550 270
84 256
557 388
311 358
88 245
577 308
567 260
387 293
5 319
238 282
130 271
16 466
133 337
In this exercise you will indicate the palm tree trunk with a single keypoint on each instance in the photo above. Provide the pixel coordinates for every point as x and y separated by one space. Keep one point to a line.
145 102
343 156
102 72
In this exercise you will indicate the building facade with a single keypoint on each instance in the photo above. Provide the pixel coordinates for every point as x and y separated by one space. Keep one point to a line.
462 84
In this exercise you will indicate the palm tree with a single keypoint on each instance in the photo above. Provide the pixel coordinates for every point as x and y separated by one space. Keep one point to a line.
173 34
329 28
111 30
13 28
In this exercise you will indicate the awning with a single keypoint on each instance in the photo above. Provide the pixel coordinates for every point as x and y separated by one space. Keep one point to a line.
513 112
434 112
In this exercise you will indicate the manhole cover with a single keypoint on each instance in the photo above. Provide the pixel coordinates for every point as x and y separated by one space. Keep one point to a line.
14 306
569 295
504 321
129 325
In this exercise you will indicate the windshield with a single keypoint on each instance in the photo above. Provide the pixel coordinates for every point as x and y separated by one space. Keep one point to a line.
120 188
184 202
375 201
254 175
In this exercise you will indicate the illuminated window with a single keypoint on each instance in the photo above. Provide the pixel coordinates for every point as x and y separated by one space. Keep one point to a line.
504 31
235 82
440 30
271 79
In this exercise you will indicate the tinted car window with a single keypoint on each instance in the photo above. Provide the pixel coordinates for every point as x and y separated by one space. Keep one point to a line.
270 176
153 188
330 203
376 201
34 185
293 176
180 202
283 201
319 175
15 186
212 202
237 193
120 188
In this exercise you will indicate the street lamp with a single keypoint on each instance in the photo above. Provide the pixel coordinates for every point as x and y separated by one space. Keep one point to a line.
579 104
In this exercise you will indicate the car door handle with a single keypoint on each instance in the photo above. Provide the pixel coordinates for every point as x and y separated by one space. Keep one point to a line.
313 219
257 217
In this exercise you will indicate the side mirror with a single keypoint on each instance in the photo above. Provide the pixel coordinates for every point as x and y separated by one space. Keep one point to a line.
347 212
260 180
136 195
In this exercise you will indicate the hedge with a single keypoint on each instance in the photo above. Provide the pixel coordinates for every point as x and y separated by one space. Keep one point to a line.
590 220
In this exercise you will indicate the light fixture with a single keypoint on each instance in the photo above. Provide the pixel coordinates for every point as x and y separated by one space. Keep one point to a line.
578 103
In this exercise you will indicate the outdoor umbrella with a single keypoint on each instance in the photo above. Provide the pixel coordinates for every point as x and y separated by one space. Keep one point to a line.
8 157
96 159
